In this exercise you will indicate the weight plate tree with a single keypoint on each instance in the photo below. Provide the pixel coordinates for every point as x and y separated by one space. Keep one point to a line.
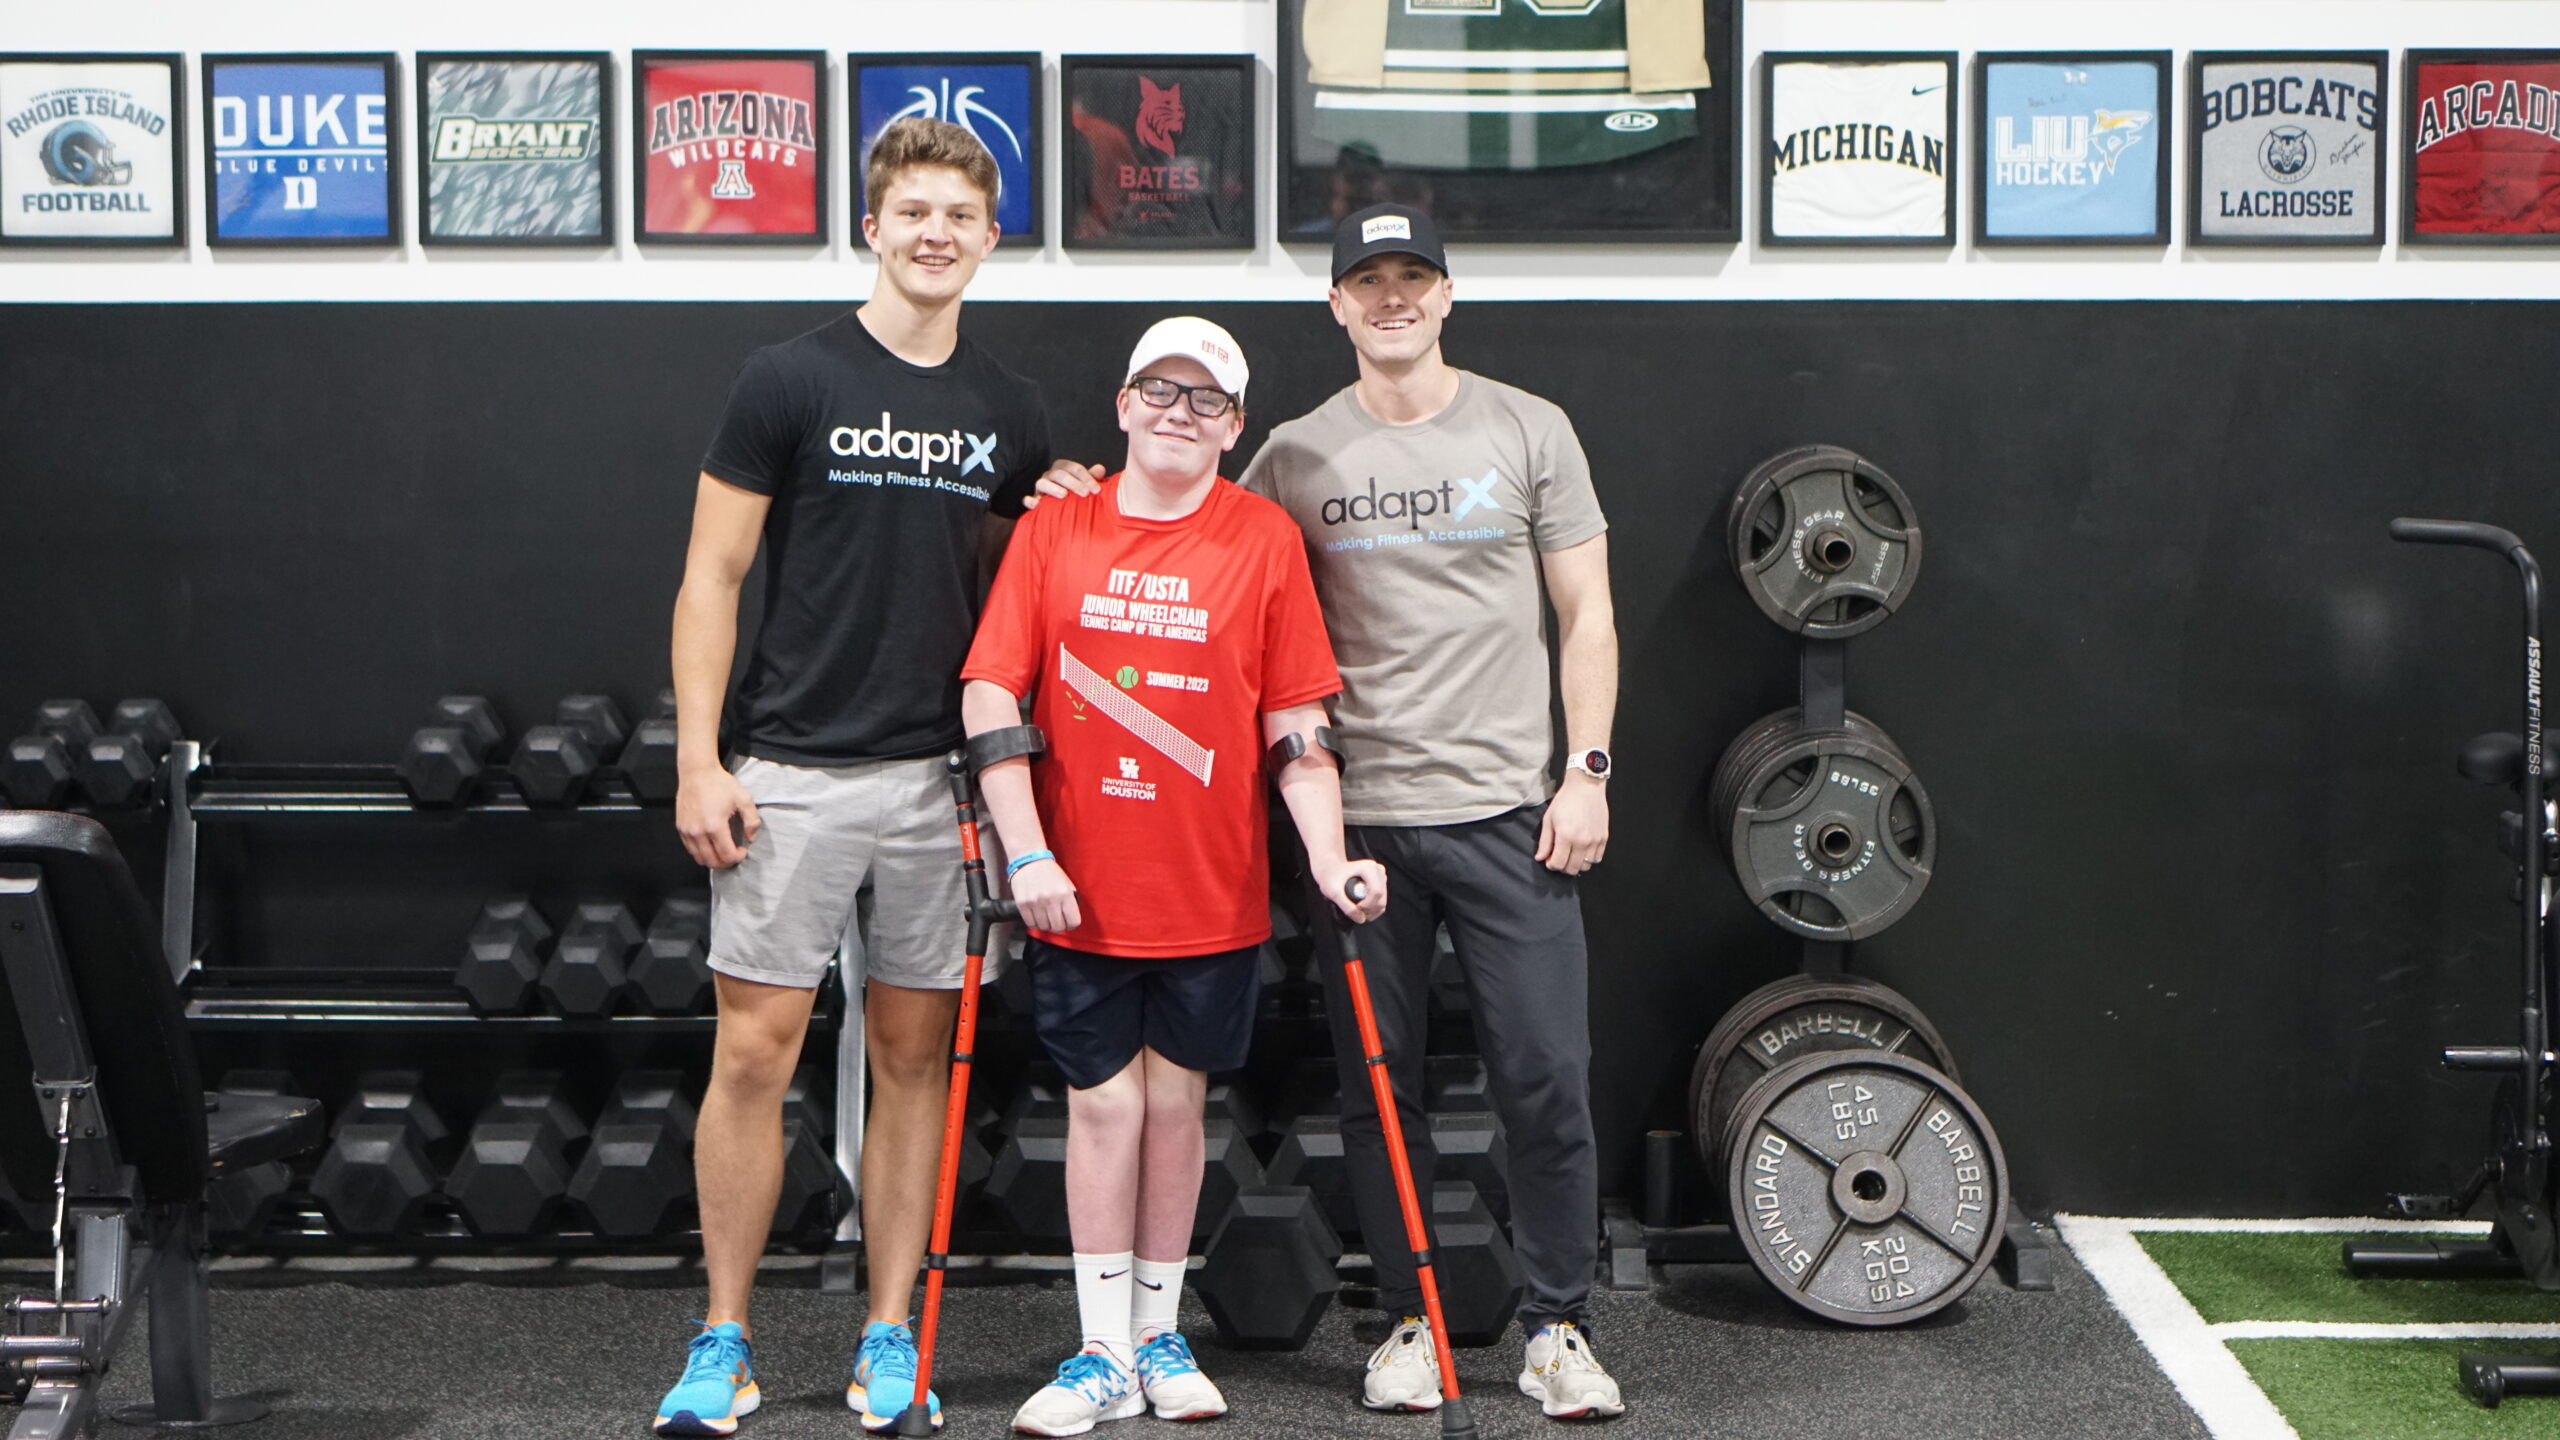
1829 831
1868 1188
1825 543
1794 1016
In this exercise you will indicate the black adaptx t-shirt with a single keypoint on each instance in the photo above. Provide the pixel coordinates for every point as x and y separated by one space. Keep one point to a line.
879 472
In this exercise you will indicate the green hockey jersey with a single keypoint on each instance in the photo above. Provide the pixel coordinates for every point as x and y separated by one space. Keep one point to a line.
1503 84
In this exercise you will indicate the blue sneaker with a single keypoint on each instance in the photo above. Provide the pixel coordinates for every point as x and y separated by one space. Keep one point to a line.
884 1378
1090 1388
1172 1382
719 1385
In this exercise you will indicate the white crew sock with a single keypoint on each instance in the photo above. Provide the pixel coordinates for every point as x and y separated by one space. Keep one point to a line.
1157 1303
1102 1303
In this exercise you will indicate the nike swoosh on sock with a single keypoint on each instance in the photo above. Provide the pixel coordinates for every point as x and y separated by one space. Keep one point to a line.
1150 1284
1114 1275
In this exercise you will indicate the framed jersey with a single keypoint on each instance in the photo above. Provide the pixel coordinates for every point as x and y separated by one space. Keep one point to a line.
995 97
1514 120
2285 147
92 150
2073 148
1859 150
299 150
515 149
2482 159
1157 152
729 147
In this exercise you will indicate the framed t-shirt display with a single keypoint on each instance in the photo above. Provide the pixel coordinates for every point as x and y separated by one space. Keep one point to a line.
2286 147
2481 153
2074 148
515 149
1859 148
90 150
730 147
299 150
1514 120
1157 153
995 97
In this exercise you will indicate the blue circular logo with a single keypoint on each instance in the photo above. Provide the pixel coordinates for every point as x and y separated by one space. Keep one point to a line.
2286 154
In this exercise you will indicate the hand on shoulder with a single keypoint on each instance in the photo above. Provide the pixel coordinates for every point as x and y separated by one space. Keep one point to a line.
1064 478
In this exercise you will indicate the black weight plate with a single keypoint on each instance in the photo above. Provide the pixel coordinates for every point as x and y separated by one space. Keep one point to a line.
1830 833
1794 1016
1757 742
1868 1188
1825 542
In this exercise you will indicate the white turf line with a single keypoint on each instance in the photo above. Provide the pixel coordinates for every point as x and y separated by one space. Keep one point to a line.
2206 1373
2192 1353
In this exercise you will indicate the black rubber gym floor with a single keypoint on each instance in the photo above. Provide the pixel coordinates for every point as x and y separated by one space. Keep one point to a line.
1708 1352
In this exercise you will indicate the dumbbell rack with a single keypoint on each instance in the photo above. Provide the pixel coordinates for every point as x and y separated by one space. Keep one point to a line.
248 1001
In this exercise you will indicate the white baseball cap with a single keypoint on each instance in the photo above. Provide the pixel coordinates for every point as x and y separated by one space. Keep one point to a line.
1193 338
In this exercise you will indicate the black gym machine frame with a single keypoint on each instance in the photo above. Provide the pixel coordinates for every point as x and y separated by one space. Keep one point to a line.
2524 1235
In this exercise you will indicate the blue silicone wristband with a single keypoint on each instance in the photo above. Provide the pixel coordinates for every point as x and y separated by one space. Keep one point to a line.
1017 862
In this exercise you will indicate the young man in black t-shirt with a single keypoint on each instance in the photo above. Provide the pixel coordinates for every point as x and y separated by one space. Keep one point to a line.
866 458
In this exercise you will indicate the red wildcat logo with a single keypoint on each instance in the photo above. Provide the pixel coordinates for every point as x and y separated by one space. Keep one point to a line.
1159 114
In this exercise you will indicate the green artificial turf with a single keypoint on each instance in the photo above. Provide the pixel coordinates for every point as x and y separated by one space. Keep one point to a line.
2250 1275
2390 1389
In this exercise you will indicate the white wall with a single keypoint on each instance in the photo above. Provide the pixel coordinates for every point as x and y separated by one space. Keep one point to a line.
1270 271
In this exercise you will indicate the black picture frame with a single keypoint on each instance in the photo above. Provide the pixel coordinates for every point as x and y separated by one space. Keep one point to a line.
1770 63
2412 68
174 143
1035 165
822 160
428 61
2164 87
1076 72
2370 237
1703 173
392 234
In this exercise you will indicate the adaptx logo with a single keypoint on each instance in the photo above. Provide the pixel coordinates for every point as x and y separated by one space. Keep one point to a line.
1457 499
926 447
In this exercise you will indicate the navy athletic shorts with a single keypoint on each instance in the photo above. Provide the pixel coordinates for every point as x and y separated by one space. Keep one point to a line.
1095 1012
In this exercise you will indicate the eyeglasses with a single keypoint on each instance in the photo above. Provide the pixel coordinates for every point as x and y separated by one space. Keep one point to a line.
1207 401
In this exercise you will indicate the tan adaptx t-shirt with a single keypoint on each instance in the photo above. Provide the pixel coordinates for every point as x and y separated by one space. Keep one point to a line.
1425 540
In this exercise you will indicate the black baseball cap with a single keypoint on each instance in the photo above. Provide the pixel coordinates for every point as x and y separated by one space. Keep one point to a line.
1388 229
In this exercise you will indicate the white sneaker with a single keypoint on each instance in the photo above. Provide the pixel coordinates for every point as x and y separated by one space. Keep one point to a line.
1404 1372
1171 1380
1565 1378
1090 1387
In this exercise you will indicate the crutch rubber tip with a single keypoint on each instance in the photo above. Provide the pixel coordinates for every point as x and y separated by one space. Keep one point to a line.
915 1421
1457 1422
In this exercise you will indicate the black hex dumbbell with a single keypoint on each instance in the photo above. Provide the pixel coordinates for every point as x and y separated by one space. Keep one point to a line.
120 767
41 762
671 974
380 1171
241 1203
1269 1275
638 1168
592 962
503 958
515 1166
447 755
555 762
649 761
809 1188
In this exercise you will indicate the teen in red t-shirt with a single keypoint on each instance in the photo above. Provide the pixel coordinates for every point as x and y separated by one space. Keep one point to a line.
1166 632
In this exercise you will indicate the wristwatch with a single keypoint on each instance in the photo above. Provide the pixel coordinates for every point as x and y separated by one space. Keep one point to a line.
1593 762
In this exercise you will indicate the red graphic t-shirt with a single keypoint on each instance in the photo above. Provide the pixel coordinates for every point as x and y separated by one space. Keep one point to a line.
2487 149
1152 649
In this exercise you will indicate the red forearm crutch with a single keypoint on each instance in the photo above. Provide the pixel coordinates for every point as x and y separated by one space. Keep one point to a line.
1455 1420
984 912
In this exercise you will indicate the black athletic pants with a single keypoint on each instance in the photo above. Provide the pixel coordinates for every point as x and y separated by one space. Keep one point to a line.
1517 928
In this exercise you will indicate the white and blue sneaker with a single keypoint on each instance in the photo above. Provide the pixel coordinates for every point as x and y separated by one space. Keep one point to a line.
1090 1388
1171 1381
719 1385
884 1378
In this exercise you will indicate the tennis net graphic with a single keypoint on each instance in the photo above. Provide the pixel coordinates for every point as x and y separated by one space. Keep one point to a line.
1135 718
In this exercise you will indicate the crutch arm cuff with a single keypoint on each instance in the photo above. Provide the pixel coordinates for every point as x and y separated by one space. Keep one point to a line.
1293 746
993 746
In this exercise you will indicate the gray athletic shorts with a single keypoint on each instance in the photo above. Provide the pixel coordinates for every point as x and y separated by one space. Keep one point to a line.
862 860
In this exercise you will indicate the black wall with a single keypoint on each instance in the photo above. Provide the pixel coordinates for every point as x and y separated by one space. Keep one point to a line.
2208 894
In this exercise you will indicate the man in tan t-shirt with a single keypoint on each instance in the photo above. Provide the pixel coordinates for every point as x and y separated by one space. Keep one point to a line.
1434 502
